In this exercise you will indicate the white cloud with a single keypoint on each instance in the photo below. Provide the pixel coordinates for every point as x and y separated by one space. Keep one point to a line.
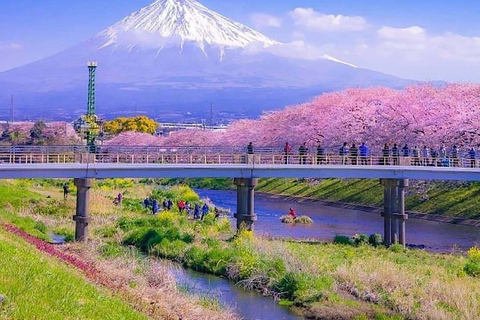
265 20
316 21
414 33
416 44
10 46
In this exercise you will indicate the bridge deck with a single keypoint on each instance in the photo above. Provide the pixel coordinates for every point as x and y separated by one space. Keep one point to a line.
99 170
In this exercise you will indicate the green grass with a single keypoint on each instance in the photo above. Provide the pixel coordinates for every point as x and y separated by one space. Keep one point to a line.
38 287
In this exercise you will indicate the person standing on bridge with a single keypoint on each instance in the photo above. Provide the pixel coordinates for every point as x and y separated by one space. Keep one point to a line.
406 151
395 155
454 154
385 155
363 154
287 151
354 154
320 155
66 190
302 152
343 152
425 155
250 153
416 156
473 158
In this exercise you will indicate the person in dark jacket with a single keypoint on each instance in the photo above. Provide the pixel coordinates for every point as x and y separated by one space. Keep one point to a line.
205 210
287 151
405 151
385 155
454 154
343 152
395 155
250 152
320 155
416 156
169 204
302 152
354 154
155 207
146 202
473 158
66 191
196 211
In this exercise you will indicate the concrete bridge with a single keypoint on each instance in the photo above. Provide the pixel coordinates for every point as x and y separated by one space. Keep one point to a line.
245 169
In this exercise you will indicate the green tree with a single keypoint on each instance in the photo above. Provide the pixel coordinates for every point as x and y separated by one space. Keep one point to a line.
37 133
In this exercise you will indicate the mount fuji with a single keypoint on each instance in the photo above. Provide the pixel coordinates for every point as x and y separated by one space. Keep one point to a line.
178 56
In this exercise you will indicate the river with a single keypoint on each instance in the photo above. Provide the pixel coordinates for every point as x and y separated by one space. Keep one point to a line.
331 221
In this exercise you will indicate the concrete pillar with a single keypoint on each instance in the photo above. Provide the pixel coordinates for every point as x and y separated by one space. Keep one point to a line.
81 216
401 210
394 211
386 212
245 203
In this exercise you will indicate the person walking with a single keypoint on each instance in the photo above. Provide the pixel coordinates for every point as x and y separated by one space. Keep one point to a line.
205 210
302 152
425 155
473 158
287 151
196 211
395 155
385 155
146 202
165 204
118 200
320 155
169 204
343 152
66 190
155 207
250 153
363 154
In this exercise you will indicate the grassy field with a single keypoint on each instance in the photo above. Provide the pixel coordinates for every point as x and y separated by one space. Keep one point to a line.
319 280
39 287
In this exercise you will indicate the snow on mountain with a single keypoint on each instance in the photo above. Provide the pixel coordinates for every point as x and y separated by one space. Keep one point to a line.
187 20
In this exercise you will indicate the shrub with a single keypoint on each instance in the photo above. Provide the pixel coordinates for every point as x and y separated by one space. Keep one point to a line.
375 240
40 226
304 220
359 239
397 248
472 266
342 240
68 234
133 238
111 250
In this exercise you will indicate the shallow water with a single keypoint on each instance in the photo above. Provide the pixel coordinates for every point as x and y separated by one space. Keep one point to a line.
331 221
250 305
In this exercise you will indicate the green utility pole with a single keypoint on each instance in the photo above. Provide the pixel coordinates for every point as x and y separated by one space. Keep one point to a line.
91 121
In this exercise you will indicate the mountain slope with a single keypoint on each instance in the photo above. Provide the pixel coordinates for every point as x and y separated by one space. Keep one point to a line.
178 55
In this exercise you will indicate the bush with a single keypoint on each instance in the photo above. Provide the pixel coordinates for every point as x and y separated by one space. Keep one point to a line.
375 240
472 266
359 239
133 238
111 250
397 248
40 226
288 219
342 240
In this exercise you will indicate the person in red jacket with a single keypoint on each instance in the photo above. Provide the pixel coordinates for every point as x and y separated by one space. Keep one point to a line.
292 213
181 206
287 151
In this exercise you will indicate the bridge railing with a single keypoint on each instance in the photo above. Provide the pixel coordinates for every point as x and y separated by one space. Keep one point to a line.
232 158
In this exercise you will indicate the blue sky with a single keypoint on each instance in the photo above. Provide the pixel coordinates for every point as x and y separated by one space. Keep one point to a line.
423 39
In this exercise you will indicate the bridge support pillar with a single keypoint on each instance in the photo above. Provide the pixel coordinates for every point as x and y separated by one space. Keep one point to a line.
245 203
81 215
394 211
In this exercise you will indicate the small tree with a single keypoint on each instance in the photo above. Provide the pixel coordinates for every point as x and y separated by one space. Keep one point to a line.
37 133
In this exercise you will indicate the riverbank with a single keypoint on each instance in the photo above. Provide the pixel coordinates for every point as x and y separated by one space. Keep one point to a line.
320 280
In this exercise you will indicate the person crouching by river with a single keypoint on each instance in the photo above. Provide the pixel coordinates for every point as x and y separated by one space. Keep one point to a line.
292 213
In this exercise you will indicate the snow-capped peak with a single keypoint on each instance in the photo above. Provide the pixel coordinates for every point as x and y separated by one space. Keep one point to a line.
188 20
